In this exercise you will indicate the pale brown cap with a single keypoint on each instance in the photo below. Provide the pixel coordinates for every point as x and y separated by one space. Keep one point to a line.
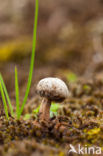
53 88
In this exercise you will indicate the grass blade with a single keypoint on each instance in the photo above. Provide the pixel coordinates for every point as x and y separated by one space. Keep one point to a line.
7 95
17 93
32 58
4 102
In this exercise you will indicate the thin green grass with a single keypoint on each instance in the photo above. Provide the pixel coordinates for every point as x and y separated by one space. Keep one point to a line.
3 89
17 92
7 95
32 58
4 102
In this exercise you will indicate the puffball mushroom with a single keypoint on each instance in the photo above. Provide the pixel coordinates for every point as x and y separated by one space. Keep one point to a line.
51 89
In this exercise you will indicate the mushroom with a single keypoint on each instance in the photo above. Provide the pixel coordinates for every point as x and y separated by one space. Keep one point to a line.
51 89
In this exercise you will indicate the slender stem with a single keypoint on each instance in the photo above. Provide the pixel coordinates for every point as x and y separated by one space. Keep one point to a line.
32 58
4 102
17 93
7 95
45 109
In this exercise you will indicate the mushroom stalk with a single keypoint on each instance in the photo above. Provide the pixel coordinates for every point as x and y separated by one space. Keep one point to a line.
45 109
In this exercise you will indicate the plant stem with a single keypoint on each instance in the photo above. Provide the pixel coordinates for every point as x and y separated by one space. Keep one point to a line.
32 59
4 101
17 93
7 95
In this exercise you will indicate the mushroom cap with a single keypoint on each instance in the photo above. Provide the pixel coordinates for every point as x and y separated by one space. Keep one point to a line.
52 88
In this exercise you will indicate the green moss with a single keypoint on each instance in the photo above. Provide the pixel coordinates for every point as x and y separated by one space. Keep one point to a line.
71 77
94 131
27 116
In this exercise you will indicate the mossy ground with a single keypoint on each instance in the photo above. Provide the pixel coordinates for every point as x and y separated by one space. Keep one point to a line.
79 121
